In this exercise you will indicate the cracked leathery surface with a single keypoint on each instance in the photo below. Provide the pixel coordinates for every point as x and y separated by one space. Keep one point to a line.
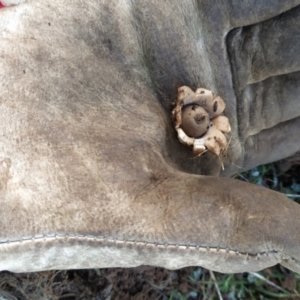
87 177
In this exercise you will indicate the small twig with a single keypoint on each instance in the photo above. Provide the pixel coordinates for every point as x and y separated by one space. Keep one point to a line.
212 275
268 282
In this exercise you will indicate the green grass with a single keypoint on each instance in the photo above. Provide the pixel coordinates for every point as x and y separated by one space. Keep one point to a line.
271 177
272 283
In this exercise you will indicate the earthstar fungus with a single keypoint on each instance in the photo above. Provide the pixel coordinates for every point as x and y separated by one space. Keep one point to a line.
198 121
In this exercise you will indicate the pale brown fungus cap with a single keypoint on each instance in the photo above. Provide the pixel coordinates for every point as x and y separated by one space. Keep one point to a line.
195 120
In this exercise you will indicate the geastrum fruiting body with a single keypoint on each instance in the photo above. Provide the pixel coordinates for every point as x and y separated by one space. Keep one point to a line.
198 121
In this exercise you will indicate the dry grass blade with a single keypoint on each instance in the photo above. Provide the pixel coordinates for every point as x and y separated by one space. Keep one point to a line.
292 195
212 275
257 275
6 296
